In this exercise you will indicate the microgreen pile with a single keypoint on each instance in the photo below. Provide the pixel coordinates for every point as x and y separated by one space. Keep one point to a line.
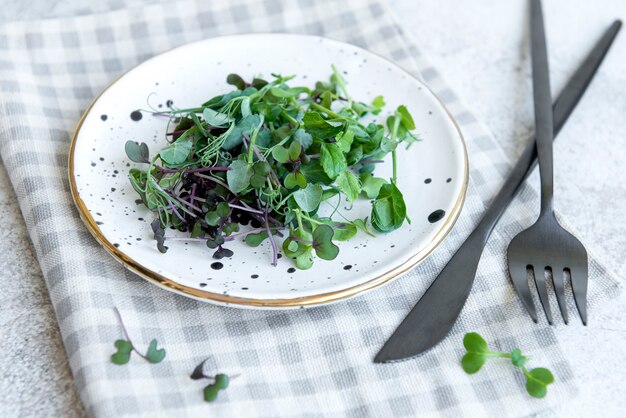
257 163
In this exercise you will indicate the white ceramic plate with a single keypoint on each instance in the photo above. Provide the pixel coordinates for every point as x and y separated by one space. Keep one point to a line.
432 173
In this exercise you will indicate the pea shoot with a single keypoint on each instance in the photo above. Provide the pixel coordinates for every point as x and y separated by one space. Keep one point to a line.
256 163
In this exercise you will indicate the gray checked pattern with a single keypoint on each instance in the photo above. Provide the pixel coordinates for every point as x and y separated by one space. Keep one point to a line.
313 362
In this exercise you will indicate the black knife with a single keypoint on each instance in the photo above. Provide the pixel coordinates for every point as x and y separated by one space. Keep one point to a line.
436 312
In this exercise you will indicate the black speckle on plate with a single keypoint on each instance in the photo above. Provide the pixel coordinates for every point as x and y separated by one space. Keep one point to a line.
136 115
104 117
169 103
427 181
347 267
291 270
217 265
255 276
449 180
436 216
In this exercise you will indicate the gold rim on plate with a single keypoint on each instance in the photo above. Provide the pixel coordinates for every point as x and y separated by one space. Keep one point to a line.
311 300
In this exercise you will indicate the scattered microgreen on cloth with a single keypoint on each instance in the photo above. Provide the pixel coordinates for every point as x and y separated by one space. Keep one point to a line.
537 380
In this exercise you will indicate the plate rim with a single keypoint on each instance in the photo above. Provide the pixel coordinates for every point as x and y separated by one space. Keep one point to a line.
229 300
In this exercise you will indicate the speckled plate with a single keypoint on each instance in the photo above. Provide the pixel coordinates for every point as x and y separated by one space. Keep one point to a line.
432 173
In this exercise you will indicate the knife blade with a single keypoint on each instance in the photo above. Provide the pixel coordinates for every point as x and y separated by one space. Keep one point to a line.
436 312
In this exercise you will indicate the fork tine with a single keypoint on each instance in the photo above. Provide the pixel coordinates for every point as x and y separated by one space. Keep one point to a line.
559 288
579 278
540 282
519 277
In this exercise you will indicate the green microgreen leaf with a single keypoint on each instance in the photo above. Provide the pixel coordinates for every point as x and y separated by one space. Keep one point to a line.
280 154
255 239
309 198
137 152
176 153
244 126
349 184
216 119
154 355
344 232
323 244
293 180
406 118
122 355
294 151
238 176
304 138
319 127
236 80
332 159
537 381
371 185
389 209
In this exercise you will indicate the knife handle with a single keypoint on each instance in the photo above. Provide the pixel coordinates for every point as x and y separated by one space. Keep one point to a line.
562 109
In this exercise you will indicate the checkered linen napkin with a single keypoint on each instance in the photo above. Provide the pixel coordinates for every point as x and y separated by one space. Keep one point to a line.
312 362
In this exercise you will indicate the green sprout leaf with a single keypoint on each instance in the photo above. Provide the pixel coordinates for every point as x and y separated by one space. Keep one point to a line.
389 209
244 126
236 80
472 362
294 151
344 232
349 184
304 138
177 153
122 355
280 154
216 119
323 244
238 177
210 393
222 381
474 343
405 118
254 240
293 180
137 152
537 381
332 159
154 355
304 261
319 127
309 198
371 185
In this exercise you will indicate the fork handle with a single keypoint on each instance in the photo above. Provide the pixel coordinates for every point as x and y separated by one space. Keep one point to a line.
543 105
562 109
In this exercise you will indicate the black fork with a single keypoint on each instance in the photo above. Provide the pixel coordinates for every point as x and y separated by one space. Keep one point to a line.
546 247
